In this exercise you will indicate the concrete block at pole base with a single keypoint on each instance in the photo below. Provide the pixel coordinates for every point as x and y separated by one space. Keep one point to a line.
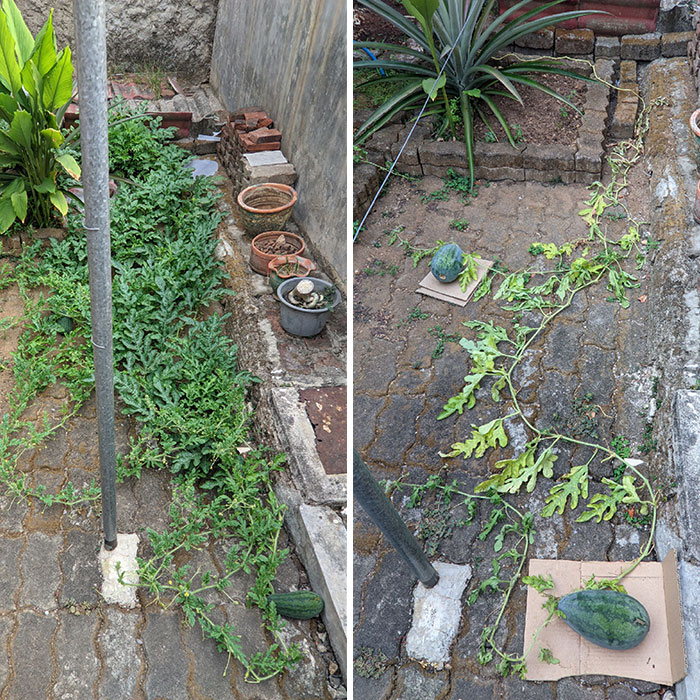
436 615
123 555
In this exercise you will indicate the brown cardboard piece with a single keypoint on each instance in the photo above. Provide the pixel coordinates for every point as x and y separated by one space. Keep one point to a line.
452 292
660 658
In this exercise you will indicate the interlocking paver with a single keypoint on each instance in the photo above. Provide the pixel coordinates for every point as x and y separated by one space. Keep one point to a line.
77 664
32 658
41 576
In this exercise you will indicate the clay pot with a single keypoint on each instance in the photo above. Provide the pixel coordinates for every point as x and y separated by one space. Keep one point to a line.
265 207
284 267
271 244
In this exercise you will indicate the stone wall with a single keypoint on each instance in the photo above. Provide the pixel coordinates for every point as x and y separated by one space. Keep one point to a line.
289 59
175 36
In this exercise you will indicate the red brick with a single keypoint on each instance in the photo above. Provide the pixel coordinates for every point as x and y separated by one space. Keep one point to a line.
265 135
251 147
266 122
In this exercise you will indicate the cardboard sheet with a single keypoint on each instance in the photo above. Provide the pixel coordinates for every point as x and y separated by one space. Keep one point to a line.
452 292
660 658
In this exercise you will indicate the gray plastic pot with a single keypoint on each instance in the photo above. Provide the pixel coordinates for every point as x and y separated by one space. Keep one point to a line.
304 322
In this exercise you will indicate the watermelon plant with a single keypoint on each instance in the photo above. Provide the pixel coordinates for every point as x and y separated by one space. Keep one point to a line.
495 354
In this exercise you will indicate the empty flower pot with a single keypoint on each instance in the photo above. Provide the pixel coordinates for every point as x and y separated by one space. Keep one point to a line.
265 207
300 321
271 244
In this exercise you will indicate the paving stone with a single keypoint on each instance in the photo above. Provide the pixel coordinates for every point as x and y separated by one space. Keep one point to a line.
31 650
82 577
589 160
626 542
415 684
362 568
587 541
373 688
41 576
75 656
153 496
5 629
365 409
542 39
307 680
497 155
676 43
9 572
397 422
549 157
573 42
52 453
484 173
388 601
640 47
628 71
621 692
120 654
209 667
12 514
571 689
607 46
563 346
167 664
595 369
516 689
473 689
584 178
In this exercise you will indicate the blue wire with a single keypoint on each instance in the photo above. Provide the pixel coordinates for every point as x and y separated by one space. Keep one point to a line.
372 56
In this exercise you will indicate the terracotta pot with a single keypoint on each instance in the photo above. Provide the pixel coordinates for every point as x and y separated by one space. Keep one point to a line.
300 267
259 257
265 207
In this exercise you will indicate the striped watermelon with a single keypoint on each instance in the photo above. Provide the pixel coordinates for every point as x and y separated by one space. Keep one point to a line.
607 618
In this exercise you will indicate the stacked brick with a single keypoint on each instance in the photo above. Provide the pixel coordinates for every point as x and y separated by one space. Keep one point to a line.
249 150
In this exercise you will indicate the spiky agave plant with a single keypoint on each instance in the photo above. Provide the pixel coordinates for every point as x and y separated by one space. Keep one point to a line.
474 74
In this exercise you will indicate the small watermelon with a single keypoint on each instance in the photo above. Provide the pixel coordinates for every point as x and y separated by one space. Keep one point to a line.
447 263
607 618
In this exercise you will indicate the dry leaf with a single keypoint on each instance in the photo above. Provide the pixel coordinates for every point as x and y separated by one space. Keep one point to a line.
643 298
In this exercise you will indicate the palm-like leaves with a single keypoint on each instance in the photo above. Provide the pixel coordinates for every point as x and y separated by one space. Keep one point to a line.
36 84
473 73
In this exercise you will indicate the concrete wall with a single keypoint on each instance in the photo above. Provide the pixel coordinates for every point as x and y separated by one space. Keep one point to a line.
175 35
288 57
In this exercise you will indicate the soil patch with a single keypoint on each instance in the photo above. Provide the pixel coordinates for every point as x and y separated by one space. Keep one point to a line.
543 119
369 26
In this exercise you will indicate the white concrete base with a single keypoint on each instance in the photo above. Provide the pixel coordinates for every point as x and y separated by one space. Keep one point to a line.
436 614
125 553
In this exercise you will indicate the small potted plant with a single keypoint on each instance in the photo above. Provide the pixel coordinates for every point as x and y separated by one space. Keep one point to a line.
270 244
306 304
284 267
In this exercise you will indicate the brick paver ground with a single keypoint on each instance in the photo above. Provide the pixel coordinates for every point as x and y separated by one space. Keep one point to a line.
401 386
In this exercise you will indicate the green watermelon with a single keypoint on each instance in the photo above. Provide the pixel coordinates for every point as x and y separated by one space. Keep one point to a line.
447 263
607 618
299 605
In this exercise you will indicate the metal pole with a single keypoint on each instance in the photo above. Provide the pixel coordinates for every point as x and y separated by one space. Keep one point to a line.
378 506
91 44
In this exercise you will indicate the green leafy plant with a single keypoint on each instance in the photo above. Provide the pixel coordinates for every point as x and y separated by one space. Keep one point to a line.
474 75
36 87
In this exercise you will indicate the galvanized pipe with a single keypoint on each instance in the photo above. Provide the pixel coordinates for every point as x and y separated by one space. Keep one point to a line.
378 506
91 49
